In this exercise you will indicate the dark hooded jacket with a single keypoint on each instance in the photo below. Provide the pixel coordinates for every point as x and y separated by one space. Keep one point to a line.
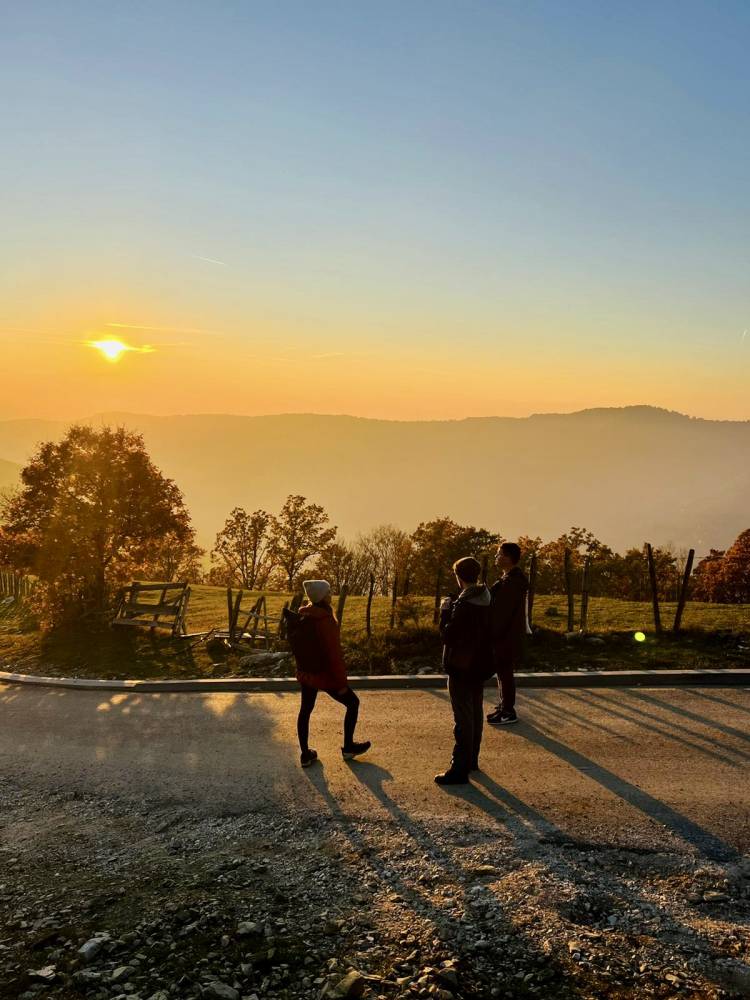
509 615
465 628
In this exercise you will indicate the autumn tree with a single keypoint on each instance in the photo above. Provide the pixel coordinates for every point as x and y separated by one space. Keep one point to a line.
725 576
243 548
172 558
707 583
386 552
439 543
90 510
299 532
736 570
343 565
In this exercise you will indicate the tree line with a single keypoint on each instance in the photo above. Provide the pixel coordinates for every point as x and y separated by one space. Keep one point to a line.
93 512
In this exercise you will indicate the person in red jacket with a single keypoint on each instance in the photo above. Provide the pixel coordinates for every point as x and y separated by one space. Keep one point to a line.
332 678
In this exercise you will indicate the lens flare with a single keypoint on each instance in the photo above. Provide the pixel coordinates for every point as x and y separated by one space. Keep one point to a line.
640 636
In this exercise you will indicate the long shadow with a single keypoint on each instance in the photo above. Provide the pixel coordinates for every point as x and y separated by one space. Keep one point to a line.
685 713
702 840
661 727
528 827
372 777
735 706
563 716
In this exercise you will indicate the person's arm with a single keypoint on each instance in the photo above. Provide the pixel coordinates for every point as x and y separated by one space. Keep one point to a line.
454 626
506 598
330 637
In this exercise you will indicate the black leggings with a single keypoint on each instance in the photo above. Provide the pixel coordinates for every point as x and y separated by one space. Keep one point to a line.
310 696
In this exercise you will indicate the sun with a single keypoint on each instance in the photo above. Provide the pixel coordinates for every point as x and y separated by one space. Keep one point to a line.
113 350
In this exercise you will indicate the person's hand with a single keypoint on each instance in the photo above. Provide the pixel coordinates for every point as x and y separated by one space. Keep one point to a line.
446 604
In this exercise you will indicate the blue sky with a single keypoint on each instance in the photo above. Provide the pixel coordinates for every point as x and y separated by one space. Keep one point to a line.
553 195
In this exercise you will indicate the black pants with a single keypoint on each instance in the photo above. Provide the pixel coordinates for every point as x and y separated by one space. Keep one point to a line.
506 683
468 715
310 696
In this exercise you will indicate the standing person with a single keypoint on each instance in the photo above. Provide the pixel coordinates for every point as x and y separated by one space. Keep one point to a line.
508 630
320 667
467 659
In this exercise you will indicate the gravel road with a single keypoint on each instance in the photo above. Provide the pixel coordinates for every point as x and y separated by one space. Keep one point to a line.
601 852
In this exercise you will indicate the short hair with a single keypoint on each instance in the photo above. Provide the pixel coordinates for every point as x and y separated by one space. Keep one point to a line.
512 551
467 569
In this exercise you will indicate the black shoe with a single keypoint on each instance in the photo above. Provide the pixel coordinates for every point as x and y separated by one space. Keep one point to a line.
308 757
451 778
494 715
503 719
355 749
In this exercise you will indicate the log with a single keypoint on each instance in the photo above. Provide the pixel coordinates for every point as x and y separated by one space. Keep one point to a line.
654 587
683 592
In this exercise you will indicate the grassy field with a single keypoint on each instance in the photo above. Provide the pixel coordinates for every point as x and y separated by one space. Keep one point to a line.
714 636
606 614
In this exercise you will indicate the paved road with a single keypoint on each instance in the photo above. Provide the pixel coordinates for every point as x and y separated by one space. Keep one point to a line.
664 768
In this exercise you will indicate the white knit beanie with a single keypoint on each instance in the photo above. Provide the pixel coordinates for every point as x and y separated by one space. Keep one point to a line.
316 590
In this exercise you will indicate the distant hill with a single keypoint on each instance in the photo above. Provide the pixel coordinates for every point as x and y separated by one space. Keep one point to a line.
628 474
9 474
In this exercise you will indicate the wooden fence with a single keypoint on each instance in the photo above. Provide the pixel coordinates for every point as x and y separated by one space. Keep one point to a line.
16 585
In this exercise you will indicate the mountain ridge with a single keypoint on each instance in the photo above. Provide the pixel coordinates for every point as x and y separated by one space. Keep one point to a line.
627 473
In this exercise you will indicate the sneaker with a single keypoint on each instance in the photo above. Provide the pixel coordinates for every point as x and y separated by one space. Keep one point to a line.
308 757
494 715
503 719
355 750
451 777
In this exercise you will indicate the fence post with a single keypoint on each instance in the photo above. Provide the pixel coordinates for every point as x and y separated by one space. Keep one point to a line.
585 593
438 588
569 590
654 587
683 591
394 598
341 604
368 612
532 586
280 631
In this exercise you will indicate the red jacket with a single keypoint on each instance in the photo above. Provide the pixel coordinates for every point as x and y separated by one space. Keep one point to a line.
333 676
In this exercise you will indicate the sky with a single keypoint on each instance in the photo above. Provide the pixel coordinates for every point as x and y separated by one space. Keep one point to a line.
408 210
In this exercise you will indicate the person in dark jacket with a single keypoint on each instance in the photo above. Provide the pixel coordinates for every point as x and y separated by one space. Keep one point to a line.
467 659
508 630
332 678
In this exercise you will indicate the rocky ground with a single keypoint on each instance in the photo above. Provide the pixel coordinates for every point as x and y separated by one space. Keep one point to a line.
144 899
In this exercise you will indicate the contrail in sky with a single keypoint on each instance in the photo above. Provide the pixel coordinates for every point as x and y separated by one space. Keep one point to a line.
209 260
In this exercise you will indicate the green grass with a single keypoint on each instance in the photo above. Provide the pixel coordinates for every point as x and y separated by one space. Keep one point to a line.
714 636
606 614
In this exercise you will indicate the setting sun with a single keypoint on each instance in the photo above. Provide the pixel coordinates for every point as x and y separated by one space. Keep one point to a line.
114 349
